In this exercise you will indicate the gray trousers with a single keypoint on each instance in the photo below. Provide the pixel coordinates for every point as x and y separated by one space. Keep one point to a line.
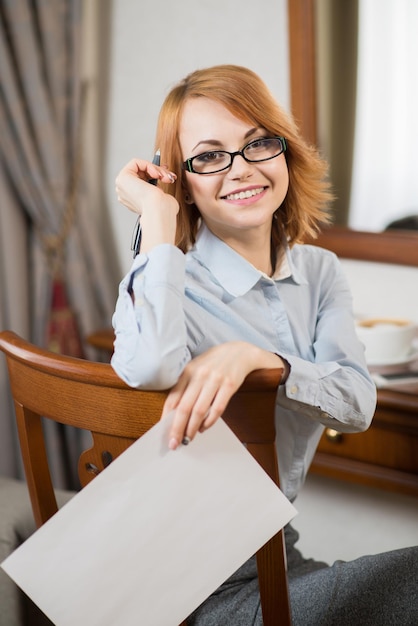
379 590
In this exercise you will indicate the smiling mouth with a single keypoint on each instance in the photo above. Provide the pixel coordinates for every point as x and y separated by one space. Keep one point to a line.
243 195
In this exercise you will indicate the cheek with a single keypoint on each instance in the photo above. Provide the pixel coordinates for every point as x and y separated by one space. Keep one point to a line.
286 178
276 171
283 169
283 177
199 189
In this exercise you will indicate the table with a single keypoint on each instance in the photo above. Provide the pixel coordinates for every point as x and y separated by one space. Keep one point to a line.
384 456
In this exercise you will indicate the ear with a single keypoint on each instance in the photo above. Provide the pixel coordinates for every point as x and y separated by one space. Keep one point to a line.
187 197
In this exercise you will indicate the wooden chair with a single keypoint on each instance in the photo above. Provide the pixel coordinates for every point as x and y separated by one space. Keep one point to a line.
89 395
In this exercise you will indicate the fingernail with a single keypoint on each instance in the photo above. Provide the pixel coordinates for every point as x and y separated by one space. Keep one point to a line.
185 441
172 177
173 443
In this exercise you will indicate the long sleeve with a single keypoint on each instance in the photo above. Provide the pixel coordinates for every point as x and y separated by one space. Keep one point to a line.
338 396
329 379
149 321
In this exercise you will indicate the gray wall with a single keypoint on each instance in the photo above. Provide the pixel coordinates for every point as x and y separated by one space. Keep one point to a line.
152 45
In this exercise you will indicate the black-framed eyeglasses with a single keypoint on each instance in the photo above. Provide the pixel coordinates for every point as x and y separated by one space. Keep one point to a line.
218 160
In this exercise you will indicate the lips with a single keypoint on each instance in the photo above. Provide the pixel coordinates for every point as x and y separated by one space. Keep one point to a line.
243 195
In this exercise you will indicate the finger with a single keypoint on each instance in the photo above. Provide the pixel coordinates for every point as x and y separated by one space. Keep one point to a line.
150 171
177 431
167 176
171 403
199 413
217 408
194 408
191 410
140 168
174 396
135 167
180 426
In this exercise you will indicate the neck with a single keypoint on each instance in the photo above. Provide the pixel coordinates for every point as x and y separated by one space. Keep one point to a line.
256 253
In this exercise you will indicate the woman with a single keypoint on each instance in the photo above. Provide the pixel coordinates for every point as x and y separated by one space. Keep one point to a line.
222 287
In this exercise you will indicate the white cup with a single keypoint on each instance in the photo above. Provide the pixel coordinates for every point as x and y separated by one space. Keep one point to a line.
386 340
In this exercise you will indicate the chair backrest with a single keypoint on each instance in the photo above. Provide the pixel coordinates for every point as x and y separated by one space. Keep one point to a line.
89 395
381 267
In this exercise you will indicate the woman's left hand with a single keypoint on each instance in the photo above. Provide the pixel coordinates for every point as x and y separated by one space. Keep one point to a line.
208 382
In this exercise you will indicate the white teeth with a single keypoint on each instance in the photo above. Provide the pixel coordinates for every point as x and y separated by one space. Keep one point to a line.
245 194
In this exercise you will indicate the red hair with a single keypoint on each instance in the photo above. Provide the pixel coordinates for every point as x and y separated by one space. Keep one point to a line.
246 96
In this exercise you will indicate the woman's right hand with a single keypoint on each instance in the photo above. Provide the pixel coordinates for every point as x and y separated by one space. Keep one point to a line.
207 384
158 210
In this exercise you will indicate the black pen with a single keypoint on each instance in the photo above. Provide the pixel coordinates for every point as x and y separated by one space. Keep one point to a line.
136 236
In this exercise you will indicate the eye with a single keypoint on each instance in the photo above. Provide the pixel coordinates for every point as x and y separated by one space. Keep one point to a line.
259 145
209 157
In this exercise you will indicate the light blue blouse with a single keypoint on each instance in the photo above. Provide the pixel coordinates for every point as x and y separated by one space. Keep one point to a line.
184 304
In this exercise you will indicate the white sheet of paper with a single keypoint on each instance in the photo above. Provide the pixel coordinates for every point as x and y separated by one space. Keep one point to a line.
149 539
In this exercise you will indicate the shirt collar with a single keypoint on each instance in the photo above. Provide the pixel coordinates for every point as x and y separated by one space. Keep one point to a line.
286 268
231 270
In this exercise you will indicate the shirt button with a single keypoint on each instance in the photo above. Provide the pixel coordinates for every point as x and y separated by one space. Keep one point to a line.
139 303
293 389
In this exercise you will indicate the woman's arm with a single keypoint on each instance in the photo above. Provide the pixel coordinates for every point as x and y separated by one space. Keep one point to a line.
207 384
158 210
150 345
150 349
330 383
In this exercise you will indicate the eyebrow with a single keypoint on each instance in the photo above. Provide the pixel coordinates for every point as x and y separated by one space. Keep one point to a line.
215 142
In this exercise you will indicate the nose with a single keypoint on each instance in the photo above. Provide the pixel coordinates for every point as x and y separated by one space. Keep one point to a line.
239 167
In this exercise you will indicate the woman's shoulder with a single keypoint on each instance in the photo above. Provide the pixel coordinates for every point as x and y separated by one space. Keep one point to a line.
311 253
314 261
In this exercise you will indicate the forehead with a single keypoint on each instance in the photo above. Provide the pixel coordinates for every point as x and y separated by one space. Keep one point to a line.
204 119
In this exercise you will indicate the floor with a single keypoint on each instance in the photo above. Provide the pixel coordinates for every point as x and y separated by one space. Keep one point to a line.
340 520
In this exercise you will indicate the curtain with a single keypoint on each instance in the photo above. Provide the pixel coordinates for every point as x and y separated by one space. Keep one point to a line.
56 283
385 181
13 313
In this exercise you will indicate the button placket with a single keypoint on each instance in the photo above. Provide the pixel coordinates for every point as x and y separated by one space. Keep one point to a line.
283 333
